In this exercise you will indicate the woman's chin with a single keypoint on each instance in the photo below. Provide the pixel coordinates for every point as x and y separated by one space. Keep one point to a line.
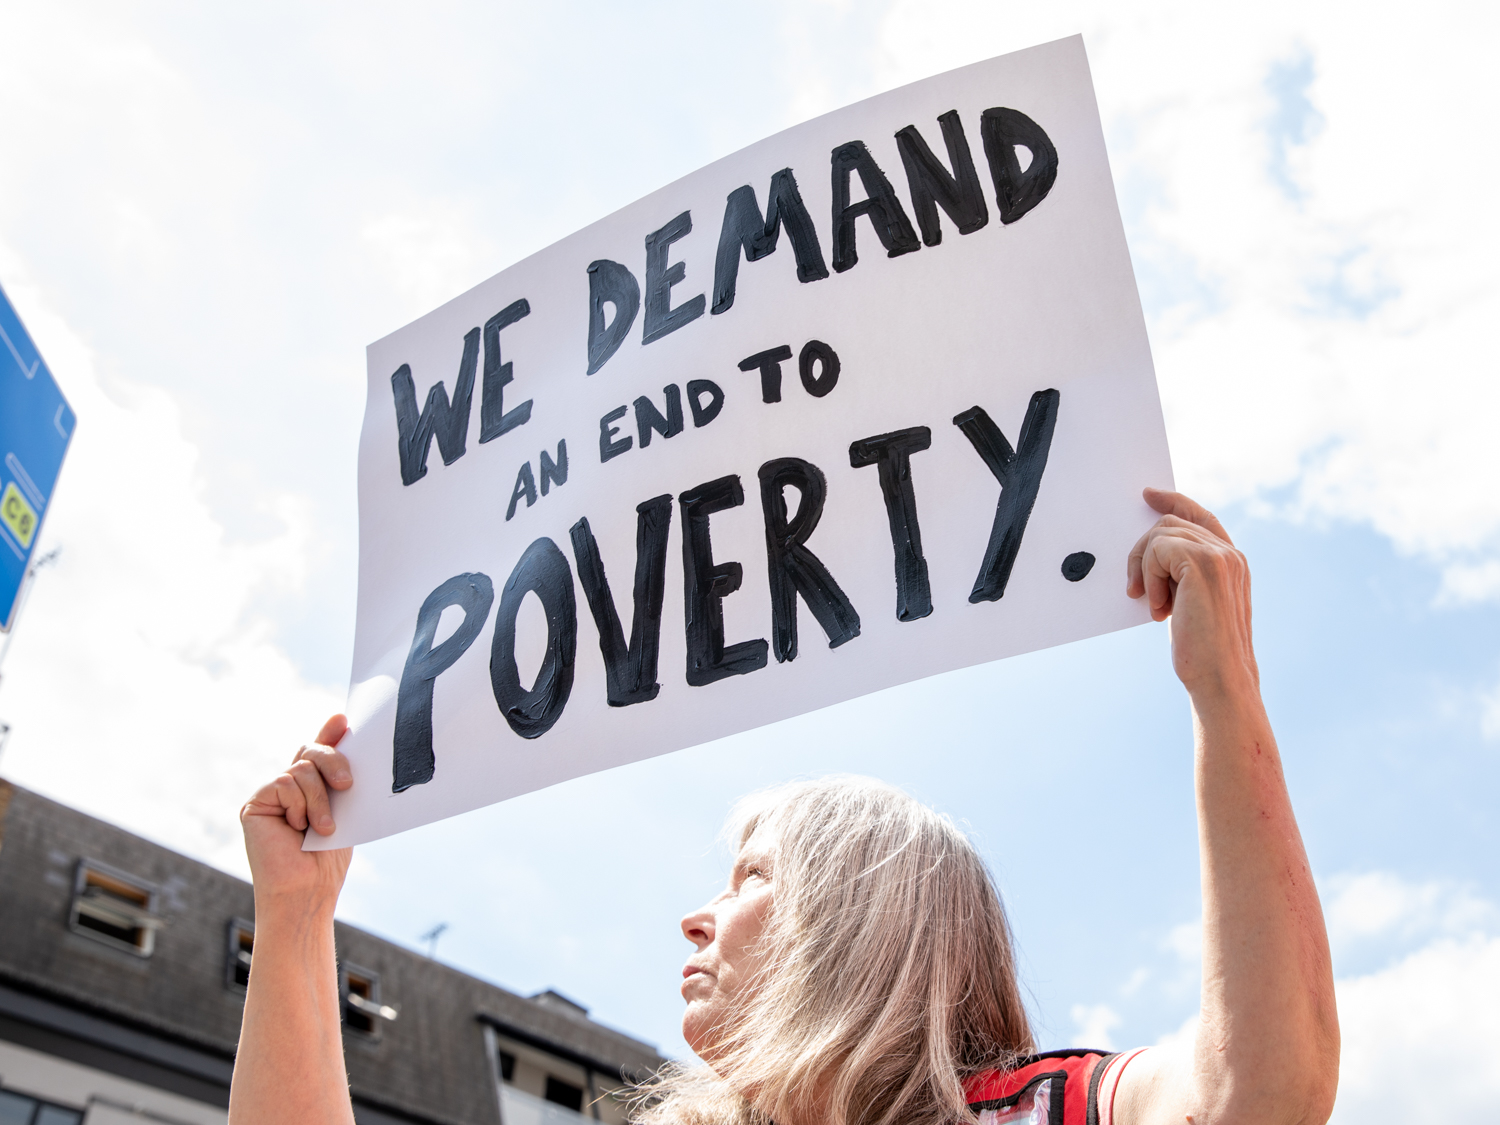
692 1031
695 1030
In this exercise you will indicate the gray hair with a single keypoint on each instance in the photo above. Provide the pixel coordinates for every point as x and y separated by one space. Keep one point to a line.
889 975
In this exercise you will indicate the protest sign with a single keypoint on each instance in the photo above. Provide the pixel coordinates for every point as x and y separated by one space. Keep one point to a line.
867 401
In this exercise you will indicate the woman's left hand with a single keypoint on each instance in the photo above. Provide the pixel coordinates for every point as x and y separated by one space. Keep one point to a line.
1189 570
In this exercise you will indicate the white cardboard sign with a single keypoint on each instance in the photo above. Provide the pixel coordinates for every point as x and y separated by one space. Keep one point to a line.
859 404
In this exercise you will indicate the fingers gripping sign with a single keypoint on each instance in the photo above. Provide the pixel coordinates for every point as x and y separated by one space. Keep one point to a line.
1189 570
290 1065
300 795
276 817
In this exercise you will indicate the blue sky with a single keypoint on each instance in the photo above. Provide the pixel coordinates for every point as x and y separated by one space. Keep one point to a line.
206 214
1071 766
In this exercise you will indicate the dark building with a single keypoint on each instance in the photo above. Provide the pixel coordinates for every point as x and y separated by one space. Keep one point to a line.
122 981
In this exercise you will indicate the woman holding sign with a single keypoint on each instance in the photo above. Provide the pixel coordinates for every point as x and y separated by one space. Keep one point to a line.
858 971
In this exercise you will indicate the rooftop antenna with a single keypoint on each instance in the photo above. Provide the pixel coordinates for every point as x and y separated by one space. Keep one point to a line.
431 938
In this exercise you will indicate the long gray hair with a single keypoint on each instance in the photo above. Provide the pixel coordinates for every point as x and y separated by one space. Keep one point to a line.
889 976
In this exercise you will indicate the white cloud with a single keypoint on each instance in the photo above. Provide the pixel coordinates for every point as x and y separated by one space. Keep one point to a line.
1315 244
1465 583
1321 282
1094 1024
144 684
1186 941
1380 906
1421 1033
1421 1039
1182 1034
1314 240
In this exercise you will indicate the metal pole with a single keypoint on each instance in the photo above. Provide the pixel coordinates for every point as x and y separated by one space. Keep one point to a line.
26 584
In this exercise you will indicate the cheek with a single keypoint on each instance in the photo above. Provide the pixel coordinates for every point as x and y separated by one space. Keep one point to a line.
741 935
738 971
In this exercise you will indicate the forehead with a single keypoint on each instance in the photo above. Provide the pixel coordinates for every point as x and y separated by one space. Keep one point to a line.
759 844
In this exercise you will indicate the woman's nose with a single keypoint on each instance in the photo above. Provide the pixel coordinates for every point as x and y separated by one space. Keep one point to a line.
698 927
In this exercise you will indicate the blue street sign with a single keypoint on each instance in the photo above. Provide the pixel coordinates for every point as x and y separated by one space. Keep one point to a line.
36 425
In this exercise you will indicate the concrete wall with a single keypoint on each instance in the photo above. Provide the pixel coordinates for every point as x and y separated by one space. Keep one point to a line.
170 1021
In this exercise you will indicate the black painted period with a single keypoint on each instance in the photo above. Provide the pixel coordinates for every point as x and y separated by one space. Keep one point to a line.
629 669
1076 567
891 454
881 204
543 570
440 418
661 317
745 228
649 420
610 284
705 585
1017 192
1019 472
932 186
768 363
412 760
791 567
494 419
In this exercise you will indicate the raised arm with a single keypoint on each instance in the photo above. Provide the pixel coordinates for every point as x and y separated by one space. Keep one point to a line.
290 1064
1266 1048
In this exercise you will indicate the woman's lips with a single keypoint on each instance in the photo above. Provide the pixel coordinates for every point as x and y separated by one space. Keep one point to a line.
689 970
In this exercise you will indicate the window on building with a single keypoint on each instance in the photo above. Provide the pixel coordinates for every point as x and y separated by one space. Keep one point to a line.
237 953
564 1094
363 1010
18 1109
539 1087
114 908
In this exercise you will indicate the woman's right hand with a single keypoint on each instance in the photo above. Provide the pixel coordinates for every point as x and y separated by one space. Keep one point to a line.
276 817
290 1065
